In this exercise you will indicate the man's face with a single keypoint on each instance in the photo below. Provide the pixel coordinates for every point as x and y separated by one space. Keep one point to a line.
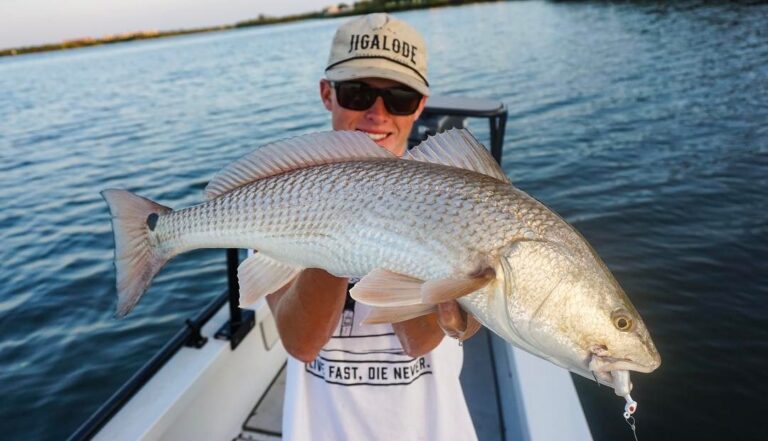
387 130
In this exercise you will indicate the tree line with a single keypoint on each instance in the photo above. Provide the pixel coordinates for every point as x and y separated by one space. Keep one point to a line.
340 10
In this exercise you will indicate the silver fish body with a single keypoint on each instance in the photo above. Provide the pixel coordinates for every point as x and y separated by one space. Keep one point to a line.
426 225
415 218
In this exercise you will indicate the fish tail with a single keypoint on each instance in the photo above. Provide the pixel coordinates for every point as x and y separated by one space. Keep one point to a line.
137 258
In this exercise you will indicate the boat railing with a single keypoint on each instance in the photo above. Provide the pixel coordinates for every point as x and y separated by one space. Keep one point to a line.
441 113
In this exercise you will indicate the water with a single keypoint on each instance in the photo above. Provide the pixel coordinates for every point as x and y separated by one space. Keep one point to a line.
642 124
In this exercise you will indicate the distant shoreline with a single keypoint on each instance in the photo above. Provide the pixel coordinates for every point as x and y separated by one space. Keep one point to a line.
358 8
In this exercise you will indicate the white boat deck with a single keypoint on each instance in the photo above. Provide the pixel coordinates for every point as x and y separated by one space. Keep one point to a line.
264 423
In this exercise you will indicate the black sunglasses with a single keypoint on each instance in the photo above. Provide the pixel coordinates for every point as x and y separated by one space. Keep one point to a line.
356 95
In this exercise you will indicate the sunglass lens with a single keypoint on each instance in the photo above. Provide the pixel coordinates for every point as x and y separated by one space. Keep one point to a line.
355 96
400 101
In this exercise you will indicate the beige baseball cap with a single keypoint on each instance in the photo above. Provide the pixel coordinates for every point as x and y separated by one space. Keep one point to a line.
379 46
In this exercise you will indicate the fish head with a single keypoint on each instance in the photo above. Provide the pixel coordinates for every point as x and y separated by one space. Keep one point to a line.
611 337
565 306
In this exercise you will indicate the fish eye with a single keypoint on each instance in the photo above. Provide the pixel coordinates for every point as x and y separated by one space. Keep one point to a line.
622 321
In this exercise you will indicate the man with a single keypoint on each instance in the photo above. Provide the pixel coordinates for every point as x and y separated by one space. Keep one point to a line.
353 381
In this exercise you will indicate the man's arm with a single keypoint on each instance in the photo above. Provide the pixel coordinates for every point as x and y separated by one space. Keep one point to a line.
307 311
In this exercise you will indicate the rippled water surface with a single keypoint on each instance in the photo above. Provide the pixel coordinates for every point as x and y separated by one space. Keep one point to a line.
645 125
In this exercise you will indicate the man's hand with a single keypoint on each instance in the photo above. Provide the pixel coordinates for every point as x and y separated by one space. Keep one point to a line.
455 322
421 335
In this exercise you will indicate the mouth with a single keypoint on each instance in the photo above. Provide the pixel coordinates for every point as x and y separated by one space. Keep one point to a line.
375 136
601 361
618 379
608 364
613 371
608 372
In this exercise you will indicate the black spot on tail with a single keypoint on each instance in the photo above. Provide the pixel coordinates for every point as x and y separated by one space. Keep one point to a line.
152 221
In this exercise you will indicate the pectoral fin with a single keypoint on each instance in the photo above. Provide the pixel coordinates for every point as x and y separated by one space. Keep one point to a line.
259 275
385 288
398 313
443 290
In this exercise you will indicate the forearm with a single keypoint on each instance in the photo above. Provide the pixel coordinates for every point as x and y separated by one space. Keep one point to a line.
307 311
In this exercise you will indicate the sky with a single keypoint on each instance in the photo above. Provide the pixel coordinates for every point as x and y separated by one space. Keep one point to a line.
34 22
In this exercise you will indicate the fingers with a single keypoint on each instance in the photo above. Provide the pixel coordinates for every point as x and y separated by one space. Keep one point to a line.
455 322
472 327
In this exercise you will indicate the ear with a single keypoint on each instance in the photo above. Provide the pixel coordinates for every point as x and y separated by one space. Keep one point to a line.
325 94
420 109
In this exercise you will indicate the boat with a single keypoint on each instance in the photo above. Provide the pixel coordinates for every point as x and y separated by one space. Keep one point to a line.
221 377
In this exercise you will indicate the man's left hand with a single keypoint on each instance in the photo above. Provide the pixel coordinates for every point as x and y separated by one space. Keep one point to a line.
455 322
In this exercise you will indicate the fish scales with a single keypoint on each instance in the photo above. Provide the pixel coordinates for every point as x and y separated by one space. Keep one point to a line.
406 212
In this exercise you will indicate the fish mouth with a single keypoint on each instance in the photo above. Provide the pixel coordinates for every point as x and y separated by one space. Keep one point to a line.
613 371
608 364
601 361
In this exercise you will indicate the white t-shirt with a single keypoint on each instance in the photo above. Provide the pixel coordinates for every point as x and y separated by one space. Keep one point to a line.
363 387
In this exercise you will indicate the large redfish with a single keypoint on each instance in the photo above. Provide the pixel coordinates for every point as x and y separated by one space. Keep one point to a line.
444 223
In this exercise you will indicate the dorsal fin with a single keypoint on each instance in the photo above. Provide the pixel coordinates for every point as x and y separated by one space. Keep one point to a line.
457 148
294 153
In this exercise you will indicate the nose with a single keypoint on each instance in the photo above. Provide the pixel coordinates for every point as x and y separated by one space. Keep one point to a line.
377 112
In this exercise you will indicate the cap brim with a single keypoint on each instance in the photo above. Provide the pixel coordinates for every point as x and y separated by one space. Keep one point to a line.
365 68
